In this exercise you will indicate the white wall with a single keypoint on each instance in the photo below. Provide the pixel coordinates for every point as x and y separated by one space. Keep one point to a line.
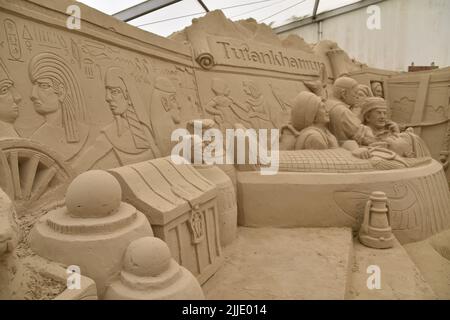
411 30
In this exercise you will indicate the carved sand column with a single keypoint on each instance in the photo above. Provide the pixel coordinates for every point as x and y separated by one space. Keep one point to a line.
376 231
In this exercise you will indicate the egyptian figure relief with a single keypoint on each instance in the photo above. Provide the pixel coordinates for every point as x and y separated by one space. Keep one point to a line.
92 104
254 102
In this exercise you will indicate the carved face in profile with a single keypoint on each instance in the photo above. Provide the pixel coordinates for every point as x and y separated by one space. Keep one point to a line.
171 105
377 89
351 96
376 118
9 98
322 115
47 95
116 99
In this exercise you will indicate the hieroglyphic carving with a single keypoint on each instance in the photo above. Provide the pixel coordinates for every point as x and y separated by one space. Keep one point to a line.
12 37
164 113
196 226
75 52
57 96
95 50
26 35
49 38
9 98
129 138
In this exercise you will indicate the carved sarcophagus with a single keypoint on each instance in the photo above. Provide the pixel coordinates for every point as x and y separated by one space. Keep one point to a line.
181 206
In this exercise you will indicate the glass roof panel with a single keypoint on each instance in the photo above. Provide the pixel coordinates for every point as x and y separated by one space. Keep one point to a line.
169 19
109 6
327 5
179 15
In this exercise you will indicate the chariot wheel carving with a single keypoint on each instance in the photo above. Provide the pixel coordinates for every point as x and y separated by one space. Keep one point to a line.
29 171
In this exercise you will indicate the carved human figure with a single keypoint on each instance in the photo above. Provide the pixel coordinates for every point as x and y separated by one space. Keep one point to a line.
362 92
344 123
129 137
377 89
57 96
309 125
387 132
164 114
225 111
9 98
259 111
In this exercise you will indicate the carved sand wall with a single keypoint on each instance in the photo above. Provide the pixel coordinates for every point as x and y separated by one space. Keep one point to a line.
109 94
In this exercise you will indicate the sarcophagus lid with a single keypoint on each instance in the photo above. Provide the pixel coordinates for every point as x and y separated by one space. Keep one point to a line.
181 206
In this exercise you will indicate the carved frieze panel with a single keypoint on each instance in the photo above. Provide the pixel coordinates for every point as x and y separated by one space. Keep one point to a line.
95 104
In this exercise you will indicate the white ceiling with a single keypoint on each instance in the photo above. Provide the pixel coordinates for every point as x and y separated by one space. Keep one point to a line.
179 15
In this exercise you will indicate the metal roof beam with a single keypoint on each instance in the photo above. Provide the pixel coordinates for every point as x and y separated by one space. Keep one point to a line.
142 9
203 5
316 6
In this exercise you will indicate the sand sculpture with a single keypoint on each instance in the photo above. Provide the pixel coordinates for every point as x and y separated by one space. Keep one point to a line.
150 273
86 119
375 229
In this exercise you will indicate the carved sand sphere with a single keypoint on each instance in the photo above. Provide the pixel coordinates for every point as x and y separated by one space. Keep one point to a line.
147 257
80 201
93 230
150 273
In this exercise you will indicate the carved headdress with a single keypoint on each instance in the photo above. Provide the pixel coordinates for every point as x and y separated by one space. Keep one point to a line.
136 114
371 103
304 111
48 65
4 75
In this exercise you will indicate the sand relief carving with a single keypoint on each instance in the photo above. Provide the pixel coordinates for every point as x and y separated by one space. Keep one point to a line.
354 119
224 109
376 231
13 40
129 138
308 128
164 113
377 89
9 99
344 123
259 111
387 132
57 96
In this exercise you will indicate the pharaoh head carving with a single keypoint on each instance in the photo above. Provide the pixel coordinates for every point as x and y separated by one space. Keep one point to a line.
56 91
346 90
9 98
377 89
117 93
308 109
124 101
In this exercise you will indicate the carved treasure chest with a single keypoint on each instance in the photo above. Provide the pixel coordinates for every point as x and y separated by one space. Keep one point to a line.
181 207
